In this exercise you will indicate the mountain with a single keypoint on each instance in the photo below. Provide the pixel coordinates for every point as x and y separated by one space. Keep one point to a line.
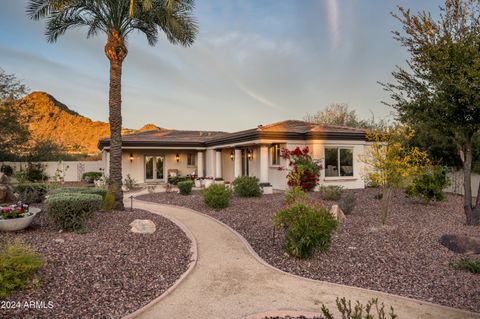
50 120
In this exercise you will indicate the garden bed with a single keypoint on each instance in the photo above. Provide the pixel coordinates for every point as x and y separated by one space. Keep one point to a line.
403 258
108 272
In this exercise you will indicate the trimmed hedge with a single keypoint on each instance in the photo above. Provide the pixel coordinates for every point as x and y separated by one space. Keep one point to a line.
83 190
31 192
71 211
217 196
18 263
90 177
185 187
247 186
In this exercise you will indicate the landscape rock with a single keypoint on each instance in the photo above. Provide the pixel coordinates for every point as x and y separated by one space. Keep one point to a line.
461 244
143 226
337 213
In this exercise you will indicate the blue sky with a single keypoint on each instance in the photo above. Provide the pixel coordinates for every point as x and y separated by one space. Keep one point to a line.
254 62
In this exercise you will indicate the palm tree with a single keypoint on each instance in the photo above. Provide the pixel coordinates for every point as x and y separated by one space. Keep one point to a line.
112 17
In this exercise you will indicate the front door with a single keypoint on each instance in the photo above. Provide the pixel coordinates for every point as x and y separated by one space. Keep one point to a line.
245 160
154 168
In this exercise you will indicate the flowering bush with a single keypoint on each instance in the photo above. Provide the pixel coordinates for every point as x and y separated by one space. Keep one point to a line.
14 211
304 171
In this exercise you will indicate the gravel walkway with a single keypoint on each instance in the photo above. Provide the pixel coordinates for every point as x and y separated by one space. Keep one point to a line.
402 258
105 273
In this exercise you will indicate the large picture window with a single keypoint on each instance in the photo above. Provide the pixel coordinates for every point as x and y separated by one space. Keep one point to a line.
338 162
275 154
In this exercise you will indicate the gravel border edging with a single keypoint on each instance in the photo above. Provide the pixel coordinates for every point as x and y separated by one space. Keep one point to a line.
263 262
193 263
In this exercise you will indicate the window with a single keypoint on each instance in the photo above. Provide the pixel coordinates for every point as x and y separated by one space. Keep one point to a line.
275 154
338 162
191 159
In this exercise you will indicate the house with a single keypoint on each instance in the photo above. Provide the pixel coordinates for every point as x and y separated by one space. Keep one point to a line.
152 156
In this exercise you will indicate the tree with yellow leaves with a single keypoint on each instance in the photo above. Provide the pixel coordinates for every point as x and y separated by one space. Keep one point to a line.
390 163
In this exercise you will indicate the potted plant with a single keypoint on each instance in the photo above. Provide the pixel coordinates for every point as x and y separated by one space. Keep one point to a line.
208 181
16 217
198 182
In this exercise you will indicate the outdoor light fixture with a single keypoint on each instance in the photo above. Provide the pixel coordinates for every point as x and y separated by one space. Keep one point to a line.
249 154
232 155
131 157
177 157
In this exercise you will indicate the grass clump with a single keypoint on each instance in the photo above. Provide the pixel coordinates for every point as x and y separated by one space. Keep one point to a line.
331 192
18 263
185 187
247 186
307 228
70 211
347 202
470 265
217 196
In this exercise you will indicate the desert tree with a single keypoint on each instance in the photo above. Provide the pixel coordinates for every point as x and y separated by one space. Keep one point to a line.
117 19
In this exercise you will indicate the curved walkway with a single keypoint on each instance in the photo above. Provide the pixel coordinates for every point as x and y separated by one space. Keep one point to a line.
230 281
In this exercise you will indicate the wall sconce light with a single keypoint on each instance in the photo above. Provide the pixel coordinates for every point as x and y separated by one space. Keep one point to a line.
232 155
177 157
131 157
249 154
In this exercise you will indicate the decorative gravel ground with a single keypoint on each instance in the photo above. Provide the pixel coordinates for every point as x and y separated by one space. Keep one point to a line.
403 258
105 273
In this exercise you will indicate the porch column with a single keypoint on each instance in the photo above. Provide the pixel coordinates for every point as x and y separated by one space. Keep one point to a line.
264 164
200 164
210 163
238 163
218 164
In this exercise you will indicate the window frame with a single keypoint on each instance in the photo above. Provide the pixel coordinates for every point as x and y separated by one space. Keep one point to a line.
189 156
338 148
272 152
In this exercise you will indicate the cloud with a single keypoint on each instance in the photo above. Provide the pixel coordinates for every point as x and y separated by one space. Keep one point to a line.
333 22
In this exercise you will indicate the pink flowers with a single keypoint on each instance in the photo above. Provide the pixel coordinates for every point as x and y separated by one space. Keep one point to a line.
14 211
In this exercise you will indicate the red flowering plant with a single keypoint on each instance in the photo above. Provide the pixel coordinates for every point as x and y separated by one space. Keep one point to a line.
304 171
14 211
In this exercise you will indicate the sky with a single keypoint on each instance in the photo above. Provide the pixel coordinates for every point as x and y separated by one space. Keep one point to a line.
253 62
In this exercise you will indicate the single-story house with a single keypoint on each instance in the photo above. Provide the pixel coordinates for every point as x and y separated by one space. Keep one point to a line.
152 156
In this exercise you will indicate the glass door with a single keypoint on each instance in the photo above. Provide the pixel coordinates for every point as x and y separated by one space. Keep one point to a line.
154 168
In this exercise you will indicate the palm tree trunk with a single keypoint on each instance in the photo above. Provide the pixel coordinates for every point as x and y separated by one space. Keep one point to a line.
116 51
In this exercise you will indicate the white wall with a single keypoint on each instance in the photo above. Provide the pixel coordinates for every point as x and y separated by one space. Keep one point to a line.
456 183
72 170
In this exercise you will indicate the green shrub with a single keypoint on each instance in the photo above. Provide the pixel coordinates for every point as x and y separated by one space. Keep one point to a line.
185 187
295 195
247 186
331 192
177 179
347 202
71 211
217 196
34 172
429 186
470 265
31 192
90 177
359 311
108 203
6 169
306 228
83 190
18 263
378 196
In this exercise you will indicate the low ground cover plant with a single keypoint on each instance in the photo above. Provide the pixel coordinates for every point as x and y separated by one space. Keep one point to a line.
70 211
429 186
372 310
90 177
247 186
467 264
217 196
185 187
331 192
18 263
306 227
30 193
347 202
84 190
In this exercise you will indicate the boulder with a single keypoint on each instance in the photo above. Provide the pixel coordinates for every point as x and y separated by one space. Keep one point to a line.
337 213
461 244
143 226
